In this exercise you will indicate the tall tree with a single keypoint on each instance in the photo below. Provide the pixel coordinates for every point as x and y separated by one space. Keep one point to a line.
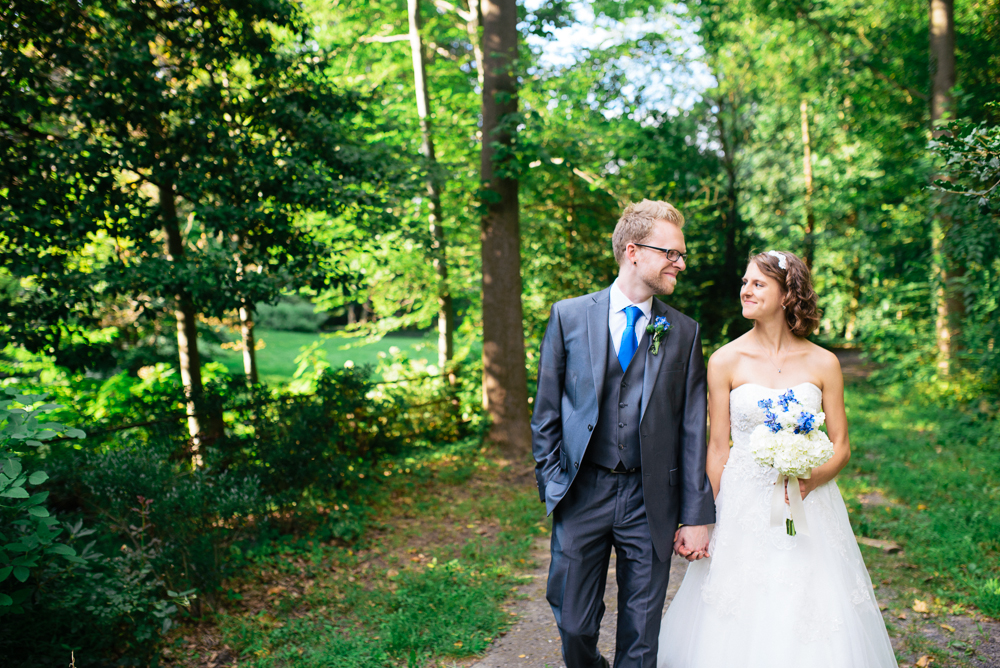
439 255
505 389
948 302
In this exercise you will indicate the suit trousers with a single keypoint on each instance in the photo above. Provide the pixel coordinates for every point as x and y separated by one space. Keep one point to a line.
602 510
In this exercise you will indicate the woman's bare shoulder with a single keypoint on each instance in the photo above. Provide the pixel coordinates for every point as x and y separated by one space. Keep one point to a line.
824 363
727 354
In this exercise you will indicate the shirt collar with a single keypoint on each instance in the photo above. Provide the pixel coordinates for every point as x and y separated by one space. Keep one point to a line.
619 301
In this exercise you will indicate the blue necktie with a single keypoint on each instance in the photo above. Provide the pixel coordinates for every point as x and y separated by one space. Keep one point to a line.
629 343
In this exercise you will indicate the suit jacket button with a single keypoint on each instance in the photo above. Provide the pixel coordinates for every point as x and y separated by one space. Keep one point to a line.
621 424
621 446
576 464
590 427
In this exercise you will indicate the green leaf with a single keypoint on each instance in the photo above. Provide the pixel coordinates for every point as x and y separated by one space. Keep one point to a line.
75 433
12 467
15 493
38 511
38 477
37 498
16 547
21 573
63 550
49 407
21 595
4 572
6 600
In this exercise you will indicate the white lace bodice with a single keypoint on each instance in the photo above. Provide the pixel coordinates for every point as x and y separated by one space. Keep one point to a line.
745 414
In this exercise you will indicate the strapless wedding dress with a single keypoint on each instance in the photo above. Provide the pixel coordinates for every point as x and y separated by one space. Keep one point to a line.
764 598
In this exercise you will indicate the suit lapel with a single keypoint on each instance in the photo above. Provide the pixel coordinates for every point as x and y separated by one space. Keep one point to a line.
598 334
653 362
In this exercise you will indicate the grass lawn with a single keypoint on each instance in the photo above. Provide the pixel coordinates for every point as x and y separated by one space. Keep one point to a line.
927 479
276 360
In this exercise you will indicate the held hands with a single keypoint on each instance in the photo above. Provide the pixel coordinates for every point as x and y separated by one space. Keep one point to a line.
691 542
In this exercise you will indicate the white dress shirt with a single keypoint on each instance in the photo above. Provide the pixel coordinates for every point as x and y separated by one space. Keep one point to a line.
617 321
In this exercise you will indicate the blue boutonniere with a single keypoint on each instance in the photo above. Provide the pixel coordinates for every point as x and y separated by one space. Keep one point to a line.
657 331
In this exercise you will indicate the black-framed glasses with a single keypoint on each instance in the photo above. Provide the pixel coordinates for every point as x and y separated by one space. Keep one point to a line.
672 255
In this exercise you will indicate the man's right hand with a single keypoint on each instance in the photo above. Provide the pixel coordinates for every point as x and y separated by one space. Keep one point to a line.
691 542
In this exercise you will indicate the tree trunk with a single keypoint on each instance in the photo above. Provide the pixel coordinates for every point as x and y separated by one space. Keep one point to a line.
249 344
807 171
438 249
187 332
505 389
949 305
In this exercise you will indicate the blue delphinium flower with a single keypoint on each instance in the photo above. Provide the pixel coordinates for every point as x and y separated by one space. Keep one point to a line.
787 398
806 423
770 419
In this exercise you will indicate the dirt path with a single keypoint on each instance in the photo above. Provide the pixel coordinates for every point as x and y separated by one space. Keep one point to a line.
534 641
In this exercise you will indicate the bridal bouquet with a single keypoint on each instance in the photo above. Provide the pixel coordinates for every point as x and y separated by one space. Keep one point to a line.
791 442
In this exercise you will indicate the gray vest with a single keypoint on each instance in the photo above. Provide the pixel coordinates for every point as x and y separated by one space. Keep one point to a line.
616 436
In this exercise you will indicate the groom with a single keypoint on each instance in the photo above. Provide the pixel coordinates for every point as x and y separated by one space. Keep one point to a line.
618 436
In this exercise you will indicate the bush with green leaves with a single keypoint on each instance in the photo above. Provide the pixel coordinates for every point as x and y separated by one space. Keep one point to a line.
28 531
290 315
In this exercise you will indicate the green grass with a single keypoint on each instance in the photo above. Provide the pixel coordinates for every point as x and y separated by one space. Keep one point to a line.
940 469
276 361
426 583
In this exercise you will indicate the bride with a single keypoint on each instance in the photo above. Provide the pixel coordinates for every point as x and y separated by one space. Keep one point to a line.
762 597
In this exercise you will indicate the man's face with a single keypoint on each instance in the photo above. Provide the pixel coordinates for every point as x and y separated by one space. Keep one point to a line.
652 266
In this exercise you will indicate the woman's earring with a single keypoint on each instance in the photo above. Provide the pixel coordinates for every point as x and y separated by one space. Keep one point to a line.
782 307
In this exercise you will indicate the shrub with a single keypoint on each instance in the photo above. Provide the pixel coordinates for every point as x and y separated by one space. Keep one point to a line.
290 315
989 598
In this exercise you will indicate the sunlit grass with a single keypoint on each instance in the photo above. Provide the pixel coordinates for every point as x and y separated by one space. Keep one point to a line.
276 360
938 471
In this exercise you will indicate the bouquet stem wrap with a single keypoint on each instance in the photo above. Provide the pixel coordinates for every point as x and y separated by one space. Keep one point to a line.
798 510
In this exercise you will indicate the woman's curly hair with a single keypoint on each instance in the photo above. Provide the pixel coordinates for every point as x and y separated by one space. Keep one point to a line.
799 299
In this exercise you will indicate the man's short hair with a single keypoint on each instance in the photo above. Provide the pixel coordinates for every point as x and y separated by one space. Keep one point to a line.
636 224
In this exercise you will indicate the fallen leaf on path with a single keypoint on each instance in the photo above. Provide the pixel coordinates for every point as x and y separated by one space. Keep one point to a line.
275 590
924 661
887 546
947 627
920 606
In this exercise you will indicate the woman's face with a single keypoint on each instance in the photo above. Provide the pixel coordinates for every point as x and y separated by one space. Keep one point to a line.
760 295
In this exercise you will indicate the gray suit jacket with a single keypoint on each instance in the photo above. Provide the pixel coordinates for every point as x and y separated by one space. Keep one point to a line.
672 419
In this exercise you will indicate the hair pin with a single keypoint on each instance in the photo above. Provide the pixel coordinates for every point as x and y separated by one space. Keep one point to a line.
782 262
